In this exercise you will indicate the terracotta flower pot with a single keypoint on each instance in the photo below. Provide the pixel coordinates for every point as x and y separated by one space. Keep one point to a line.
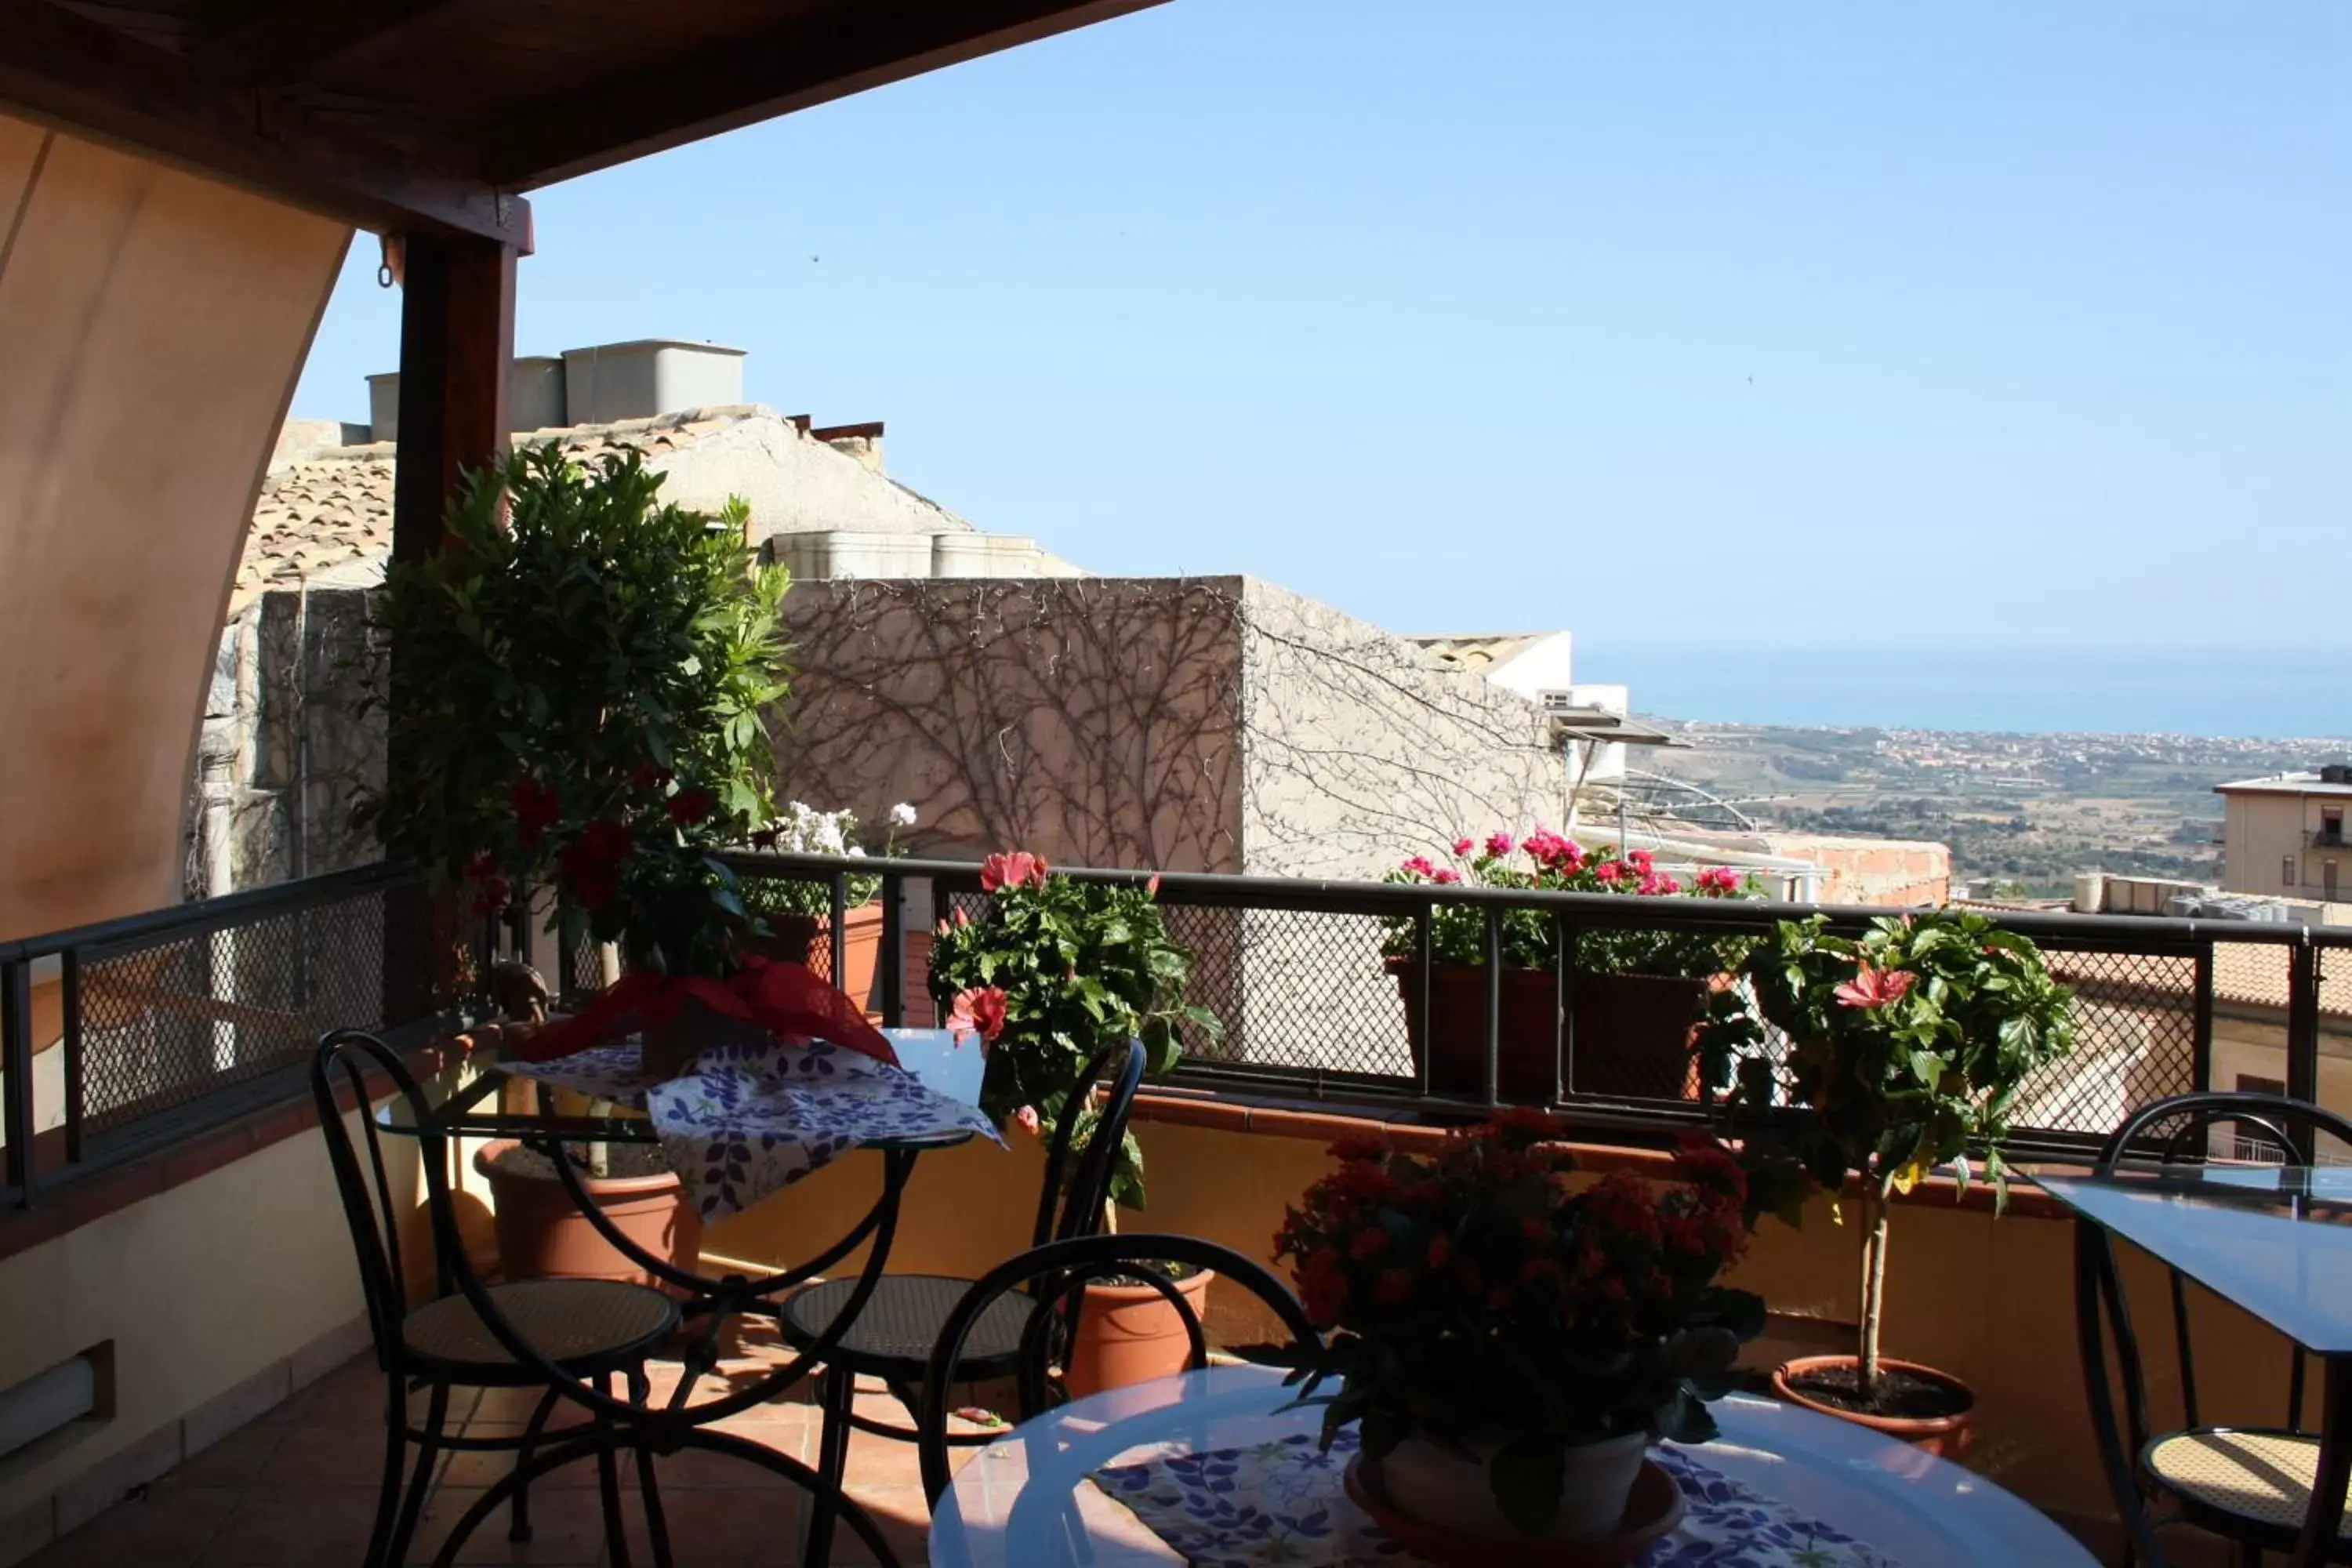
542 1235
1451 1488
807 939
1632 1032
1946 1436
1131 1333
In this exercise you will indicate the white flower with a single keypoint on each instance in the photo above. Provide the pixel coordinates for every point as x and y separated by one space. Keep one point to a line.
902 815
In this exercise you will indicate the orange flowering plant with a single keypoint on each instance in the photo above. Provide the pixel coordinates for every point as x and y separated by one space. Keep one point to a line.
1478 1299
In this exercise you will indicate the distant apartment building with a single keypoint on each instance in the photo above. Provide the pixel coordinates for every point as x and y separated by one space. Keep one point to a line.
2284 834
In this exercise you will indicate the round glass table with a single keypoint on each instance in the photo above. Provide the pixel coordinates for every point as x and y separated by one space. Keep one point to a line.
1024 1502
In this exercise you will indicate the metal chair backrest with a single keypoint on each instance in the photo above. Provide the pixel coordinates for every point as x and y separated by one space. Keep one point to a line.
345 1060
2179 1132
1087 1183
1057 1271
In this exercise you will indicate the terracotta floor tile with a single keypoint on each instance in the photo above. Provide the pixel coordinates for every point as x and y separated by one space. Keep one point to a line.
482 1469
723 1526
305 1525
567 1528
905 1522
167 1525
237 1459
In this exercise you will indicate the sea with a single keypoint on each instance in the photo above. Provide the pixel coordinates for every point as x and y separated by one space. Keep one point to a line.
2159 688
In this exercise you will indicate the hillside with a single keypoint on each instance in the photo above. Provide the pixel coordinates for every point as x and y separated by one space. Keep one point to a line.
2021 812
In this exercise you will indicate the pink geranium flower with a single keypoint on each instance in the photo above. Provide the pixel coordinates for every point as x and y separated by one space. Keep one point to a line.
1462 845
1498 845
1639 859
1026 1120
1609 871
1446 876
1422 865
1874 988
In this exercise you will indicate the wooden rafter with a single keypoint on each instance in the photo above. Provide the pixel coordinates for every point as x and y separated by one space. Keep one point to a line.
282 44
85 78
791 67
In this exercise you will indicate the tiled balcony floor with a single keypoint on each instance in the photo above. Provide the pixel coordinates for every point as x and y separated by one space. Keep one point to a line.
299 1485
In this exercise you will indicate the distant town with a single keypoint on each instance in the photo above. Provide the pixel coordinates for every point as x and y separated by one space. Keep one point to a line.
2022 812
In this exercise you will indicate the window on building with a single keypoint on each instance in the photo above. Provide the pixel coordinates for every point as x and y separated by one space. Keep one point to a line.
2249 1142
2331 824
2287 871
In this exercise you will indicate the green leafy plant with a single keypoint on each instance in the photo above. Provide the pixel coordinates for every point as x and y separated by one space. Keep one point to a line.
1545 862
582 673
1477 1299
1052 971
1906 1049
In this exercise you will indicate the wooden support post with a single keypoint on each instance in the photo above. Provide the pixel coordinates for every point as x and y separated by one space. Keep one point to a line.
456 354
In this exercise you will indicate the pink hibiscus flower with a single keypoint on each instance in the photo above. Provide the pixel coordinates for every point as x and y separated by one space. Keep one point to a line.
1874 988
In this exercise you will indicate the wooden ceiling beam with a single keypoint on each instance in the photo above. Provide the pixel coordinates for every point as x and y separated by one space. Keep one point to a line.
295 40
84 78
808 61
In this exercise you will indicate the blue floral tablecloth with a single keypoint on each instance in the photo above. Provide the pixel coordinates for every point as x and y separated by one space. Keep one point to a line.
752 1118
1283 1501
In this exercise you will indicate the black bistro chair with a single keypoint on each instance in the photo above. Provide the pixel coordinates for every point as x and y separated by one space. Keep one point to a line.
2250 1485
892 1337
593 1331
1042 1286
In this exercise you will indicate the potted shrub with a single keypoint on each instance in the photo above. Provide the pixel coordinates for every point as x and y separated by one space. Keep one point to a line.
584 669
1907 1048
1512 1342
1052 971
798 915
1640 990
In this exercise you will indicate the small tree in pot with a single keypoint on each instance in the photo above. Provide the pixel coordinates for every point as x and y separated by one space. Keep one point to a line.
582 675
1907 1048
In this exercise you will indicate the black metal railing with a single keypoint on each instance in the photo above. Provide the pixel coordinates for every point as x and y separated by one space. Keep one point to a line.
1330 991
167 1022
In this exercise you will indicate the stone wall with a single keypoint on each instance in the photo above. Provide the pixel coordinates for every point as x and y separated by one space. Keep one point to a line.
291 734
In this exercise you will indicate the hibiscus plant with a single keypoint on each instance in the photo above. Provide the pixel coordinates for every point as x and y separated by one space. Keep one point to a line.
584 670
1907 1048
1052 971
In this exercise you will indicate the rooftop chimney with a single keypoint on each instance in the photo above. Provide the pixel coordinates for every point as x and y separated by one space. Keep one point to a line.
862 442
650 376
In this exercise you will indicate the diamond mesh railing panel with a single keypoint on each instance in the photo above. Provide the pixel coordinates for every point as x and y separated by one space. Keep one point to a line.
166 1023
2135 1042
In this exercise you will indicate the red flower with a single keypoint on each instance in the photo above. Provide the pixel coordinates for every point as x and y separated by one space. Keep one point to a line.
1440 1249
1874 988
1027 1120
1393 1286
1462 845
1323 1286
645 778
536 806
606 841
491 890
1367 1242
977 1010
1609 871
589 879
1639 859
688 807
1421 866
1151 888
1498 845
1017 870
1446 876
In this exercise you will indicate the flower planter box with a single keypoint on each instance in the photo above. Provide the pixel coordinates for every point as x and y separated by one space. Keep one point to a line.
807 939
1632 1032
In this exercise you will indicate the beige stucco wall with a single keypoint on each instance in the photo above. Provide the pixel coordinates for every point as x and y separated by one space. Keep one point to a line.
2263 833
198 1289
153 324
1090 719
1362 749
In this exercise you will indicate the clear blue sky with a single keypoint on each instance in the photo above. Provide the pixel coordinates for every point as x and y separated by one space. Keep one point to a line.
1746 324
